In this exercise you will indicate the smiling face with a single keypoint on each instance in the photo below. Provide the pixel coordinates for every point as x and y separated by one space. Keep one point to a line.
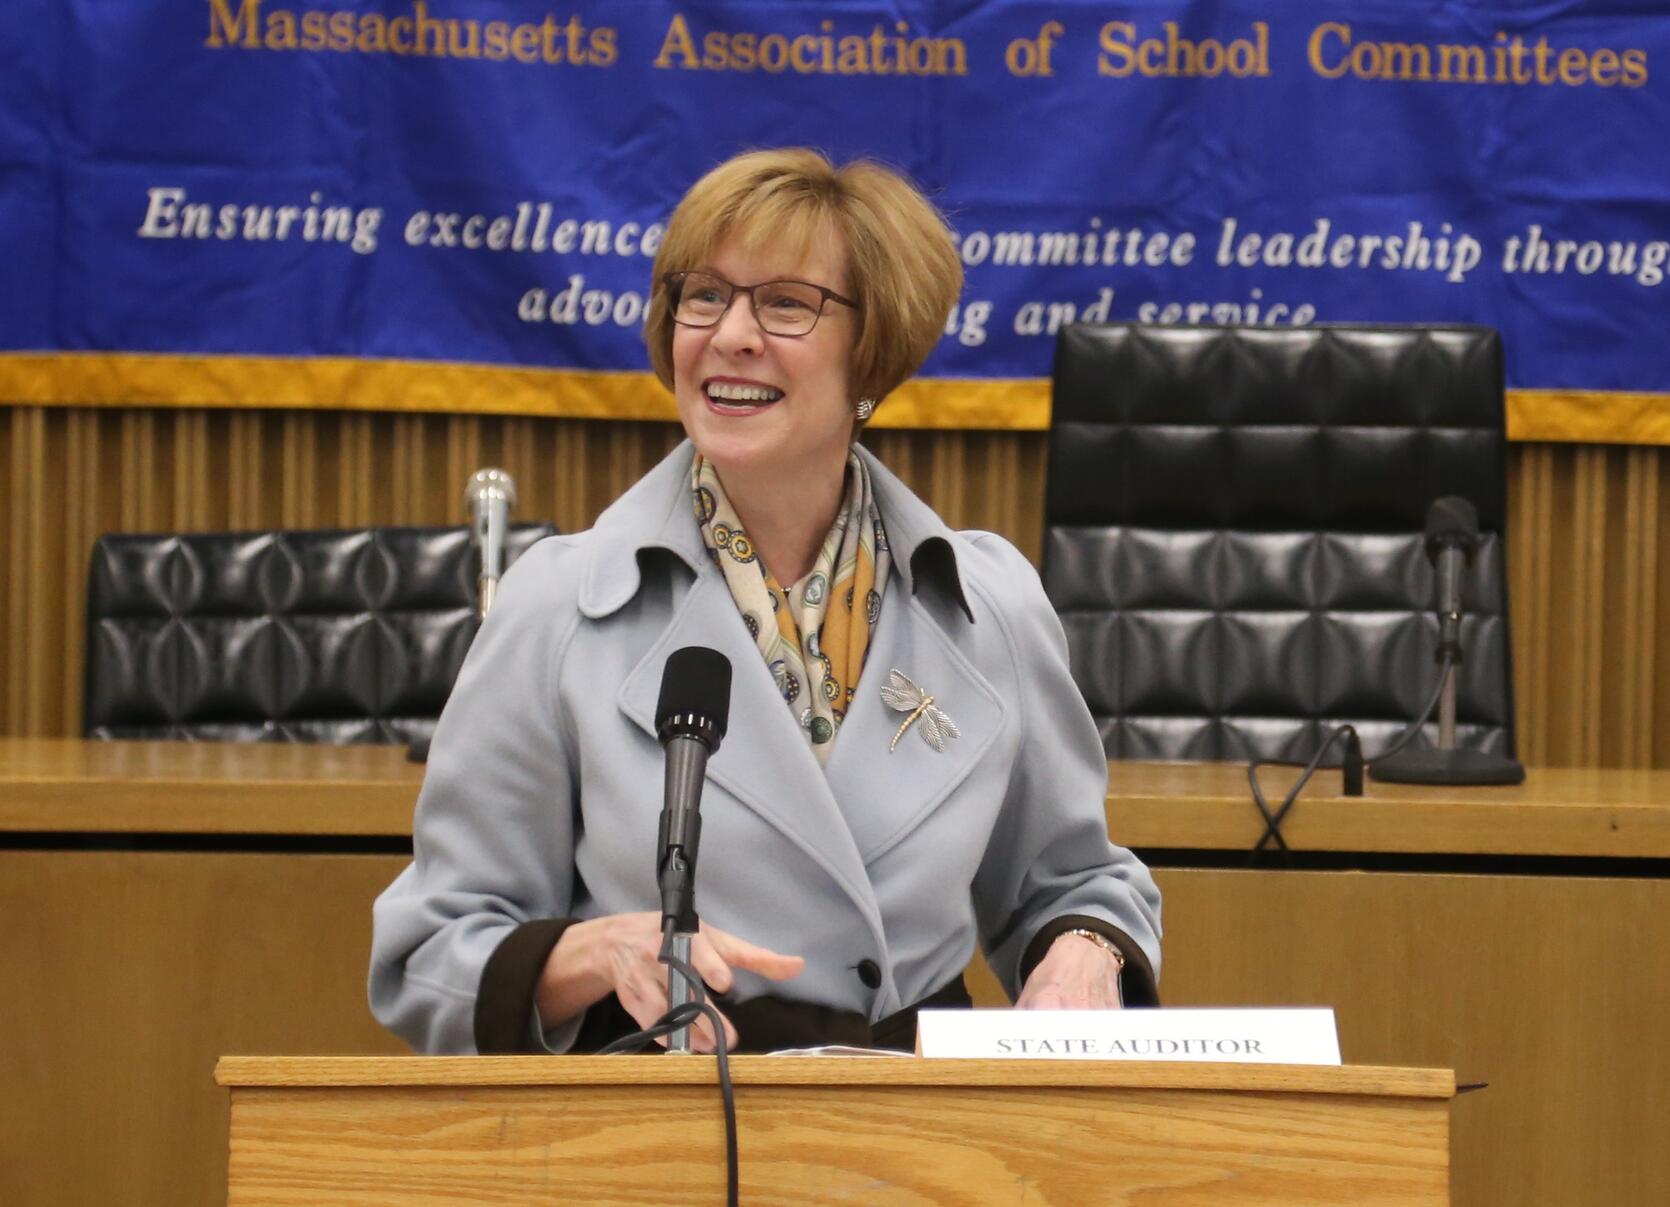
770 408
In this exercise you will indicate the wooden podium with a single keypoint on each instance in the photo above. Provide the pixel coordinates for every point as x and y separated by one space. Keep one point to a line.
862 1130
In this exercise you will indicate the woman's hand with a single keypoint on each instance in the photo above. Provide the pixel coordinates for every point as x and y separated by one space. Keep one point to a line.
618 953
1075 974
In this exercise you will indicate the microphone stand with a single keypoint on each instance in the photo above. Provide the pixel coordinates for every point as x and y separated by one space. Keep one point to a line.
690 719
1447 763
680 838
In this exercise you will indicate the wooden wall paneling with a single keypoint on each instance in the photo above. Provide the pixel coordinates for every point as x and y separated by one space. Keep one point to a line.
1529 540
11 557
632 449
168 490
140 470
75 505
563 451
407 455
558 491
623 460
541 447
299 493
1590 613
516 452
437 504
33 589
994 488
192 472
897 451
49 623
81 498
1627 636
1658 675
1024 467
561 491
1590 618
347 467
243 455
948 478
463 458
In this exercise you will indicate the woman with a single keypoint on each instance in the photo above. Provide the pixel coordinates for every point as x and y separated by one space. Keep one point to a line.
854 849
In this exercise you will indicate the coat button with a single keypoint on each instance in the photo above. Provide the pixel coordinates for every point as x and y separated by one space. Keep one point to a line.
869 972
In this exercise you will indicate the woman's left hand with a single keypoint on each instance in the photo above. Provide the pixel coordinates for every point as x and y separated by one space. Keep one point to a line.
1075 974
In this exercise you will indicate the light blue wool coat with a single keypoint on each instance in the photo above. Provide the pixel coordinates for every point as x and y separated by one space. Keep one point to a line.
544 781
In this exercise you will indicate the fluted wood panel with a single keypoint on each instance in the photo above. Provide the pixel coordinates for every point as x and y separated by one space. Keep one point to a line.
1590 578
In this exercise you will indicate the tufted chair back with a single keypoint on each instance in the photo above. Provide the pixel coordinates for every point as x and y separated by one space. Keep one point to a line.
306 636
1234 532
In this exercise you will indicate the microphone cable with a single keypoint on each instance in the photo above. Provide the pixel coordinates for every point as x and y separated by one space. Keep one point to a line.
682 1016
1273 818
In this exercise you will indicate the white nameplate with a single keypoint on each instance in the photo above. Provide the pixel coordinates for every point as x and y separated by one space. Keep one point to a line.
1249 1036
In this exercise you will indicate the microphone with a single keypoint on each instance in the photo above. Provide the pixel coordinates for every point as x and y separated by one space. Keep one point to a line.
1452 541
490 494
1452 537
690 720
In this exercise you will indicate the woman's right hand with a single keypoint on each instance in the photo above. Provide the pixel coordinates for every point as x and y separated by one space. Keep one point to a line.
618 954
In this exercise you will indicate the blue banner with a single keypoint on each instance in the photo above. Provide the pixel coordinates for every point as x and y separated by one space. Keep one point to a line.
483 182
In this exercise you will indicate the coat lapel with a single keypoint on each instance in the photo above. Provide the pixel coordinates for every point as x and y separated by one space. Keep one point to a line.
764 761
848 814
887 795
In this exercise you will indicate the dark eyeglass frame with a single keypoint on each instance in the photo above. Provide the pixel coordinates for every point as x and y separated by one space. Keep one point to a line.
674 282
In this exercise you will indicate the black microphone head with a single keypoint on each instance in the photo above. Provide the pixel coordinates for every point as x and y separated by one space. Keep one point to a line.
1451 522
695 695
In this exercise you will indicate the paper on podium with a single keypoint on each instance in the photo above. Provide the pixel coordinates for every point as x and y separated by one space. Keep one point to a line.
838 1050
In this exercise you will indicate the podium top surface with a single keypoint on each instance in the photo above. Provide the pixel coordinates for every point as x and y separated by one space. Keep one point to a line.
78 786
294 1072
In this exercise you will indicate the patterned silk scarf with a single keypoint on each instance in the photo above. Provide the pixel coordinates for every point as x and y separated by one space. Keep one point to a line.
815 634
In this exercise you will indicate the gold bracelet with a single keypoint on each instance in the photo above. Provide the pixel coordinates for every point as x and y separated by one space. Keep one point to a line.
1102 941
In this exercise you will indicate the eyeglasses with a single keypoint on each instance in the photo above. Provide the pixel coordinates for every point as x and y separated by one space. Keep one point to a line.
700 299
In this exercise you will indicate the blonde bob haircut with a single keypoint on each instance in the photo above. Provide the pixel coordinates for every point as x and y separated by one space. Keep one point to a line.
902 267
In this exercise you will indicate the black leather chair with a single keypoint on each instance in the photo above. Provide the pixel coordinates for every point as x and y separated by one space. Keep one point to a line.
1234 533
310 636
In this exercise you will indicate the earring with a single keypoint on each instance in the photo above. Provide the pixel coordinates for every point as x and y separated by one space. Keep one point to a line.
864 408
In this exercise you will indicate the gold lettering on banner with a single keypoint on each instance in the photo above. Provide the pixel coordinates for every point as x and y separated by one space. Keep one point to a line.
418 31
1123 55
1334 52
227 30
678 42
1031 56
880 52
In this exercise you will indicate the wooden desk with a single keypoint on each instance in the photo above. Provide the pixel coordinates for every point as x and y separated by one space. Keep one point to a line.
69 786
72 786
1562 812
165 903
181 901
1517 935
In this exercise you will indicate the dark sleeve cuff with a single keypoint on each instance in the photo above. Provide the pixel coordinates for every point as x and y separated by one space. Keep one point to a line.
505 999
1137 984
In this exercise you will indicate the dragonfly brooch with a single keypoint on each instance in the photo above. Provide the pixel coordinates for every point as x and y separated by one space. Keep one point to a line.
901 695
